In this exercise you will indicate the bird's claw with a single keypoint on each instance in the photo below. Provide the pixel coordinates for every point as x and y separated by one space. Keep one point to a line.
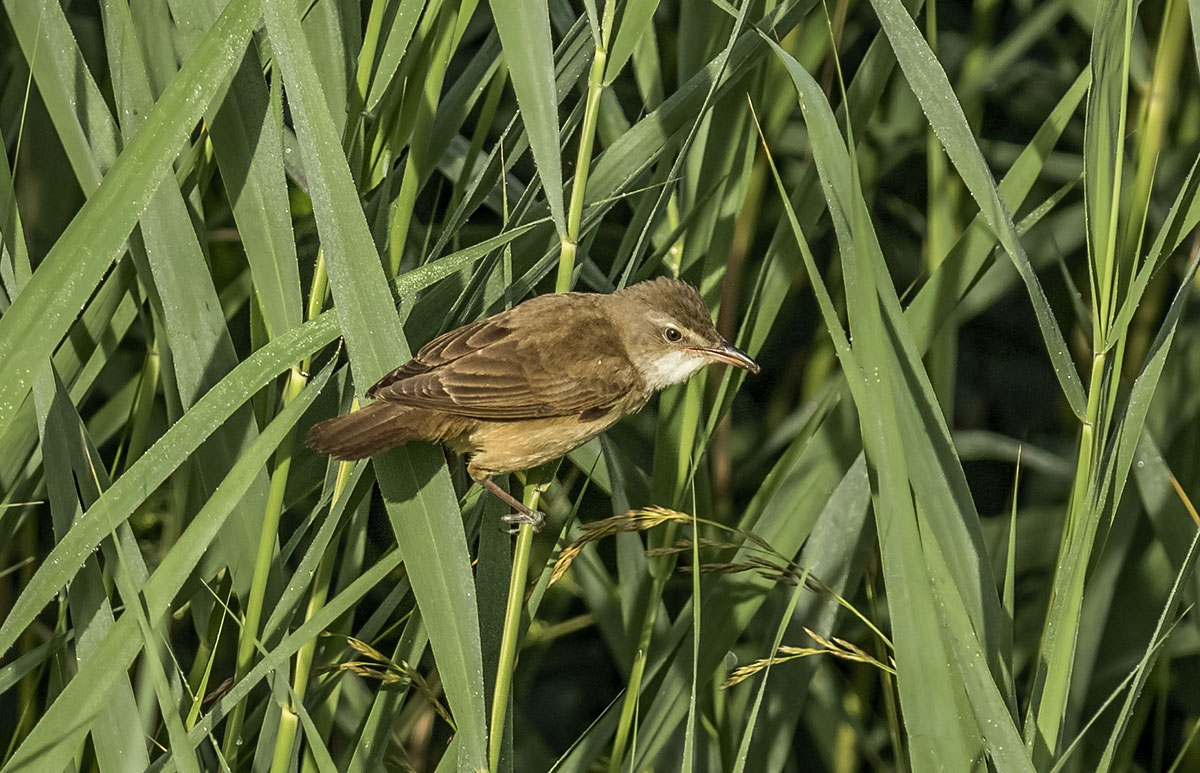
534 518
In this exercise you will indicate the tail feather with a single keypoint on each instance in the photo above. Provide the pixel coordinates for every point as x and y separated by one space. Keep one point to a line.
374 428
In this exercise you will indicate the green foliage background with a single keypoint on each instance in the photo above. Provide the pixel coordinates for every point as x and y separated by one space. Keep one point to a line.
956 504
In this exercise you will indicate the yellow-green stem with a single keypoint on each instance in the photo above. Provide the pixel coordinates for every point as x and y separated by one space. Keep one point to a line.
356 97
511 632
566 270
1106 302
1053 686
583 164
144 405
940 234
304 657
297 379
1159 99
417 163
287 727
674 256
320 284
629 705
660 568
248 636
487 115
1063 621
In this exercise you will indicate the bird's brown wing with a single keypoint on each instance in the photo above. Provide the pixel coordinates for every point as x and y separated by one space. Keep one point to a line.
443 350
532 362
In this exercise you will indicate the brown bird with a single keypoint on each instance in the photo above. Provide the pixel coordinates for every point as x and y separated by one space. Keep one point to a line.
526 386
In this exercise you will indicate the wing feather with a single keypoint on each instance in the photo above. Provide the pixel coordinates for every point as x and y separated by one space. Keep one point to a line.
530 362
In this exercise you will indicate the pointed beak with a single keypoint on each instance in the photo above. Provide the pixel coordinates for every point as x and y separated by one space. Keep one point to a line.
730 355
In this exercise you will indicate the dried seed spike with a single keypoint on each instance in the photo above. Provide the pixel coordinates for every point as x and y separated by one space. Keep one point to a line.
366 649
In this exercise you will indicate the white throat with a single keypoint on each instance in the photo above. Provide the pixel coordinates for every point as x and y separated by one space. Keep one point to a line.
671 368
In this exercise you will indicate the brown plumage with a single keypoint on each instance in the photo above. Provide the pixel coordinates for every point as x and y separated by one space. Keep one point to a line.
528 385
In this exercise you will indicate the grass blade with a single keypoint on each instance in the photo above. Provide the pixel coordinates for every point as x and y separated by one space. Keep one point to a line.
930 85
524 27
416 487
39 319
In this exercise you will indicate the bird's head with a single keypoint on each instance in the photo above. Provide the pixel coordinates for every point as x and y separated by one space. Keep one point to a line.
669 332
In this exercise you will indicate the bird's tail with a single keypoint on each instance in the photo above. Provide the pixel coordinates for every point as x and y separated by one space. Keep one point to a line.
369 430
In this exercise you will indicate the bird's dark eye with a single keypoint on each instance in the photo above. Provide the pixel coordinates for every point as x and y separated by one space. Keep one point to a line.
673 335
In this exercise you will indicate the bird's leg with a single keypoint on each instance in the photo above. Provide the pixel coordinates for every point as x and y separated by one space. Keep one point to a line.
523 514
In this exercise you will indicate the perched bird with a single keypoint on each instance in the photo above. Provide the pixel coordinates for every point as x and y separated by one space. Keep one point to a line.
526 386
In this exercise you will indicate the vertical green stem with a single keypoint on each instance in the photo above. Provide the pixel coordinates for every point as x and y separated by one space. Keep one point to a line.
248 636
287 727
304 657
669 486
487 115
320 593
632 690
1149 144
417 164
320 286
356 98
512 628
297 379
674 257
1050 707
1108 252
566 270
1062 622
941 208
583 164
143 408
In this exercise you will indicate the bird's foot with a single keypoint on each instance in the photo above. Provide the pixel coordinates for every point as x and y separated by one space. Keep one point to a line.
522 515
532 517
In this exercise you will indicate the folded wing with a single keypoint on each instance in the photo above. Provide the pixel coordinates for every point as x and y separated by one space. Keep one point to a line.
532 362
